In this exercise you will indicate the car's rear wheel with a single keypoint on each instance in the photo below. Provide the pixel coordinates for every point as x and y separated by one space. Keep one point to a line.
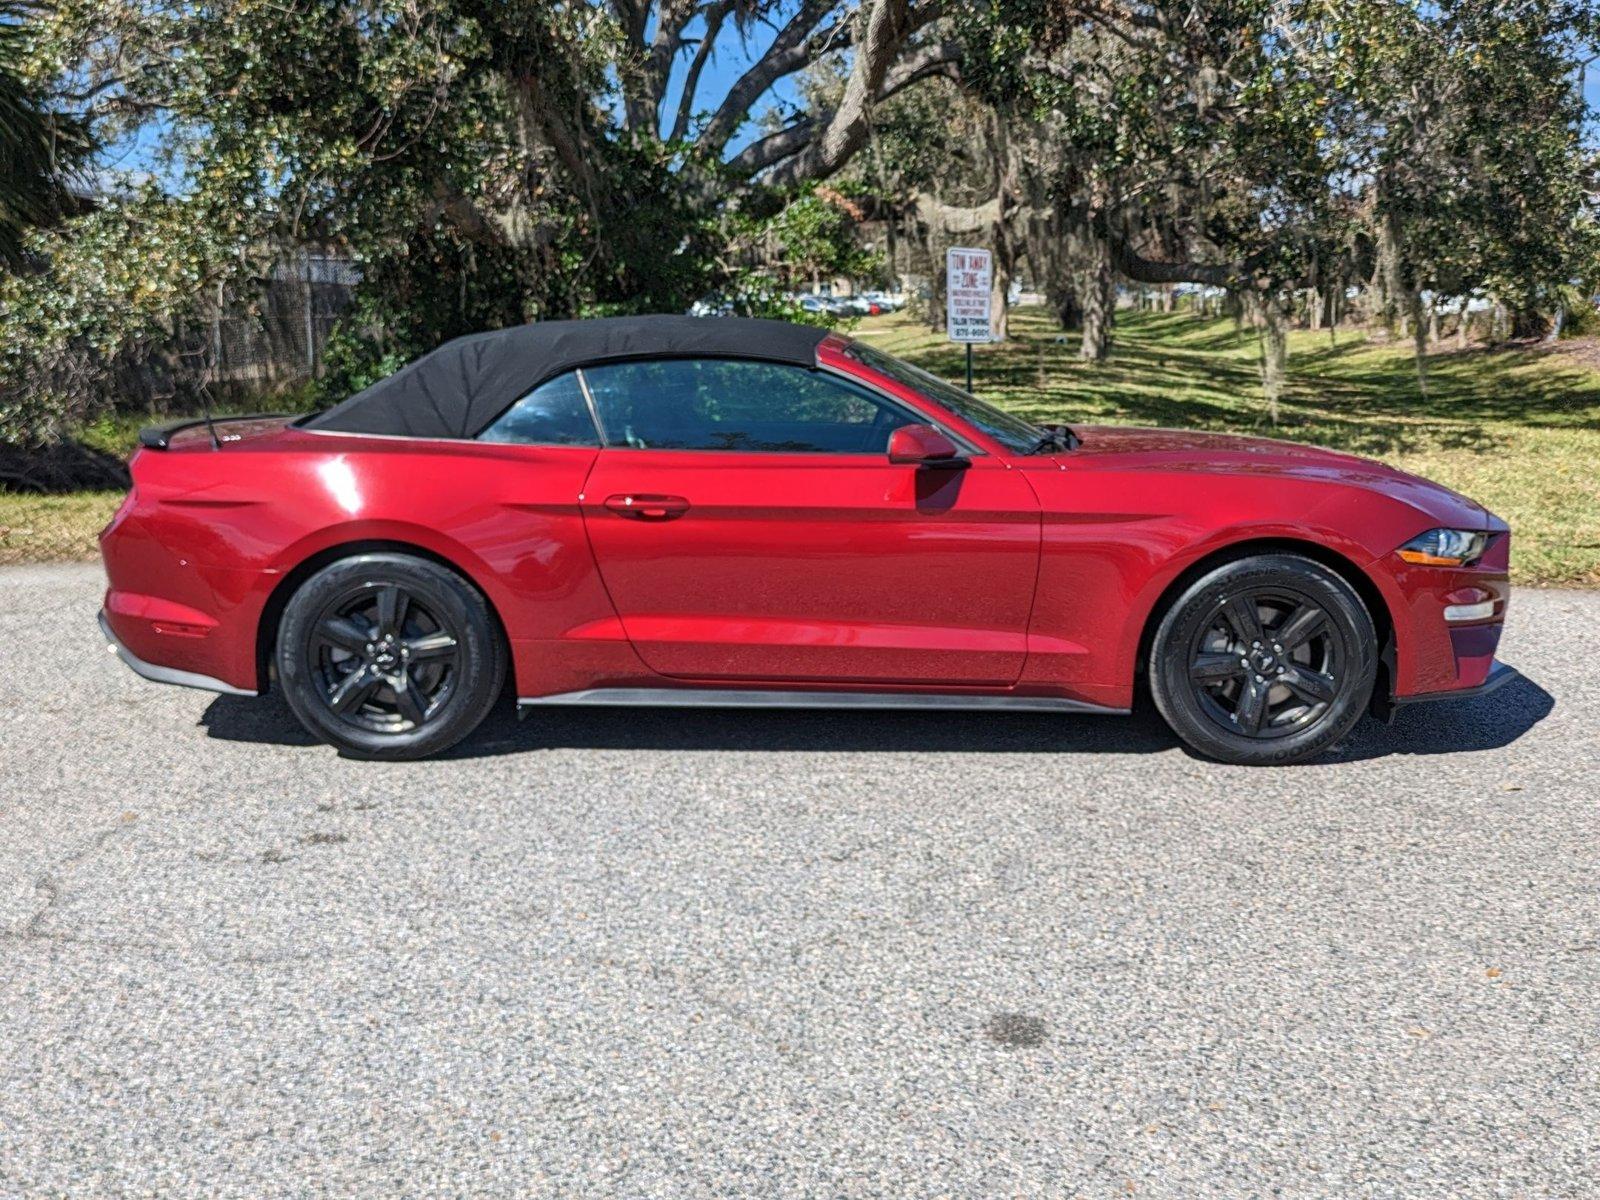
1264 660
389 656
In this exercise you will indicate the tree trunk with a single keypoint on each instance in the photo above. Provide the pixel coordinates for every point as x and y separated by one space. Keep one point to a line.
1556 324
1041 231
1095 344
1067 309
936 298
1002 235
936 283
999 296
1051 266
1419 333
1527 323
891 249
1095 288
1389 276
1005 262
1272 327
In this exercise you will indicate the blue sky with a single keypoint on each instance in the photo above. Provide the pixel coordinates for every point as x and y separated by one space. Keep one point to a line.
729 60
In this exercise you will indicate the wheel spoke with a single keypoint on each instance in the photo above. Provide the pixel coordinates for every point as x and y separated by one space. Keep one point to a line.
392 604
1214 668
413 705
1302 623
353 689
1252 706
1241 614
432 645
1309 685
345 634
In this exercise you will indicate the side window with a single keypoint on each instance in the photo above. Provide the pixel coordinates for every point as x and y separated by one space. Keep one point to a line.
726 404
553 414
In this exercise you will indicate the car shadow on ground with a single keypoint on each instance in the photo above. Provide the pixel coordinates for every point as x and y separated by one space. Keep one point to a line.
1447 727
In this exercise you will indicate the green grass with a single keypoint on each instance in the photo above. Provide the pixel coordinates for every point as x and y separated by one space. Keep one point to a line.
52 528
1516 429
63 528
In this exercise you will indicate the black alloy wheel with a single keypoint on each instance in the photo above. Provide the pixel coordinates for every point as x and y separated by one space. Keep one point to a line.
389 656
1268 659
383 661
1265 663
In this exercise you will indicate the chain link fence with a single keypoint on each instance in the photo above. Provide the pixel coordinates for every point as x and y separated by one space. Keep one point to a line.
243 342
276 337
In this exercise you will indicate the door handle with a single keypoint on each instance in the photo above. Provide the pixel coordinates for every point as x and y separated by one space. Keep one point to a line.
648 508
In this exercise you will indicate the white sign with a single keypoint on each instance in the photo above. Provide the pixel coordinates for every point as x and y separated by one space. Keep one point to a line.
967 275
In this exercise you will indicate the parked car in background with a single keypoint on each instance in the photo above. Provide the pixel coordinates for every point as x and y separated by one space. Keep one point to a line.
843 306
670 510
712 306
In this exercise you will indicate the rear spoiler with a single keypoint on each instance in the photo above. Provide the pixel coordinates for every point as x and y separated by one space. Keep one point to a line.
159 437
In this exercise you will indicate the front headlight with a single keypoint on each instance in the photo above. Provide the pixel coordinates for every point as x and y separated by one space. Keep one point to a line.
1445 548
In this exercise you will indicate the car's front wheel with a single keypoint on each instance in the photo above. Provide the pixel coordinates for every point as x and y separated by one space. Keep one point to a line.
389 656
1264 660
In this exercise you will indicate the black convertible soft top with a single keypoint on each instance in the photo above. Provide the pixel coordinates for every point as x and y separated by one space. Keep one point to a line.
458 389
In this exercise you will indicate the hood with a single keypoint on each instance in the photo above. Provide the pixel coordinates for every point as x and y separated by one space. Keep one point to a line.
1111 447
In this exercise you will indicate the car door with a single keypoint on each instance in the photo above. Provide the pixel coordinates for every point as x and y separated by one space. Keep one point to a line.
749 526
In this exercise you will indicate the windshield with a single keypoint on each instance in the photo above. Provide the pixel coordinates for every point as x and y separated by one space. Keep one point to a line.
1011 432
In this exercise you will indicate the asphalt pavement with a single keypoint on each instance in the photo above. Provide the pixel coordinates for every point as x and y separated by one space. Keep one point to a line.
770 954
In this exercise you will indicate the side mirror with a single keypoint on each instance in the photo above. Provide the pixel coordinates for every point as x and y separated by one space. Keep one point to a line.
925 446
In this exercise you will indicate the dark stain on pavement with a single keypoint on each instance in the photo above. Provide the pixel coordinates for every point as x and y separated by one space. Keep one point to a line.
324 839
1016 1029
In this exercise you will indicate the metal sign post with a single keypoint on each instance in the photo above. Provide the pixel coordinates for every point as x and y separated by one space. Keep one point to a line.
968 274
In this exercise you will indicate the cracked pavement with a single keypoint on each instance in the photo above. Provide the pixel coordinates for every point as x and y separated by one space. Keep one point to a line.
678 953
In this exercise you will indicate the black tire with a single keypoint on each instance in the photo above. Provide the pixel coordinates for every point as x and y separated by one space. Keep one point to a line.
1288 698
389 656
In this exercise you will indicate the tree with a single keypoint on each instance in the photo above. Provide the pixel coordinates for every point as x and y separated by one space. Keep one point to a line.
1195 145
38 148
942 168
1260 145
1480 178
487 163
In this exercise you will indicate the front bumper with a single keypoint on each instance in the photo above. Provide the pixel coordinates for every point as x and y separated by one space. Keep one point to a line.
166 674
1499 674
1447 622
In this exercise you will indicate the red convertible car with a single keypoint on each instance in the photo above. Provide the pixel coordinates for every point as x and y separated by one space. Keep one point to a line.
670 510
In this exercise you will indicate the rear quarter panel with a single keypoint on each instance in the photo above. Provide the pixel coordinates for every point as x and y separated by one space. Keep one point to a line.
223 529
